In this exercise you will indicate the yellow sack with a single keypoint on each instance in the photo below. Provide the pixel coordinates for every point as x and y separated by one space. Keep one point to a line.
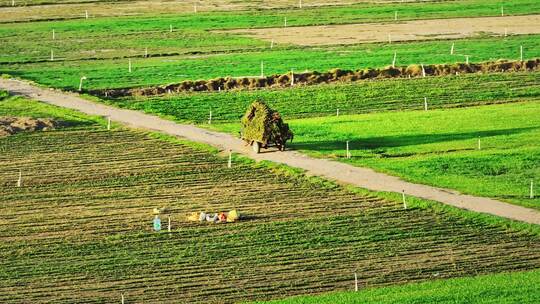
233 216
193 217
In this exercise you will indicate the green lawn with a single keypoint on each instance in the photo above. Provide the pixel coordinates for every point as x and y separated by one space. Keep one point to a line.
437 147
518 288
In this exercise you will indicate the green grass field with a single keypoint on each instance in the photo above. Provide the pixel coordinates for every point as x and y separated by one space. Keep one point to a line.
99 48
499 288
162 70
354 98
79 230
437 147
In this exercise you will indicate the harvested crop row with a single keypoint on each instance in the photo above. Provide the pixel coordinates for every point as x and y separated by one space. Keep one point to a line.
313 78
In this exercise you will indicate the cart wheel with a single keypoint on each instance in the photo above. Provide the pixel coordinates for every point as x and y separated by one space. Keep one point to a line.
256 147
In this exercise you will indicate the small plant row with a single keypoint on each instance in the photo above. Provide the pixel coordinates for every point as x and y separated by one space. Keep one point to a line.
313 78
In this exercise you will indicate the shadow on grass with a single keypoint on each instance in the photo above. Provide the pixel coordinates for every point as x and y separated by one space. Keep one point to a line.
400 141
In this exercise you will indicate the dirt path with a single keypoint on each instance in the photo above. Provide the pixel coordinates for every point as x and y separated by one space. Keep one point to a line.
398 31
362 177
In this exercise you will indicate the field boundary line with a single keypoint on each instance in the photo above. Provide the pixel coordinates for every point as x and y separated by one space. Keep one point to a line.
341 172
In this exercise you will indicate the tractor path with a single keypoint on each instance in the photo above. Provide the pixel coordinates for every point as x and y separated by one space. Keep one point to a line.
344 173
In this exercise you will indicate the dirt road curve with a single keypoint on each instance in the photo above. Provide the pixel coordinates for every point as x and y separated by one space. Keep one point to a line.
451 28
361 177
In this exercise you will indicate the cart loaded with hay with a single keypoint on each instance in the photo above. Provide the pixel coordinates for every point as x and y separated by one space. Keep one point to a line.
263 127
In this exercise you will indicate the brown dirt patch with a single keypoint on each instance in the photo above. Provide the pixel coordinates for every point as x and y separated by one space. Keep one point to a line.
398 31
12 125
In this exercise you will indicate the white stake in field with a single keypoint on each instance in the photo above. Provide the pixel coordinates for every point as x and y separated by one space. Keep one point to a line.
521 53
229 163
108 123
348 151
129 65
210 118
52 55
452 49
80 83
531 192
355 282
404 200
425 103
394 60
53 35
19 181
262 69
423 70
86 14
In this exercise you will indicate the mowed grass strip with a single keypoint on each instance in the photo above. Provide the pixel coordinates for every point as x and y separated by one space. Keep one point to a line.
437 147
497 288
79 230
114 73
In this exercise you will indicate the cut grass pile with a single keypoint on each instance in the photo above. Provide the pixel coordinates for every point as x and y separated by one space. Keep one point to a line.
309 78
80 228
437 147
104 74
498 288
354 98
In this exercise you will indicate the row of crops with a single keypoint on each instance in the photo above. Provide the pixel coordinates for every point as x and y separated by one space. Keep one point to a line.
354 98
79 230
256 14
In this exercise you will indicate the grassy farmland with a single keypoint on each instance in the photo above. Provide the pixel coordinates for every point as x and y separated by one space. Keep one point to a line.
78 228
270 13
99 48
114 73
354 98
500 288
437 147
91 239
